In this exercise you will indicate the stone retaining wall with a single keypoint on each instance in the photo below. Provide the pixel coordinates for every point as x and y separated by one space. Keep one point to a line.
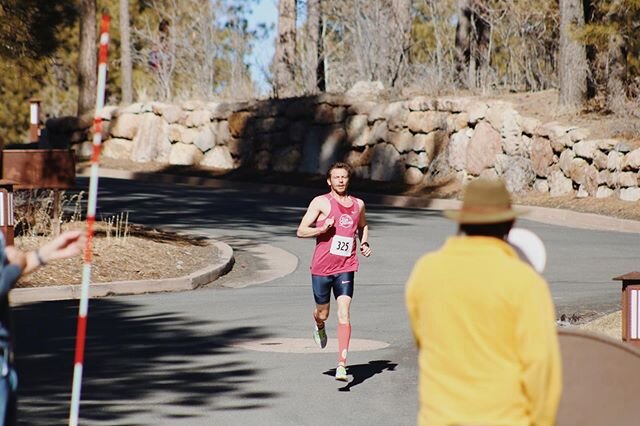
418 140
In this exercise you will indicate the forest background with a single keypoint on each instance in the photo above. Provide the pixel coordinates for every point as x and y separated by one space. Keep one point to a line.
173 50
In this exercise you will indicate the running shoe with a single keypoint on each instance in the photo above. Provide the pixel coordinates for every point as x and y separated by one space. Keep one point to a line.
341 373
320 336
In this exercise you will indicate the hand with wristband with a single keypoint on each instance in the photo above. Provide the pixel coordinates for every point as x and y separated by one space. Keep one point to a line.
365 249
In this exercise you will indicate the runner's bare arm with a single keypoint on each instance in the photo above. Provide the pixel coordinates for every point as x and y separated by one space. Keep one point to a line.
363 231
316 209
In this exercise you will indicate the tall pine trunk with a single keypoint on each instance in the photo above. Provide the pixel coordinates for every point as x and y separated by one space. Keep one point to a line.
472 46
285 58
316 80
616 74
572 63
125 53
87 62
402 12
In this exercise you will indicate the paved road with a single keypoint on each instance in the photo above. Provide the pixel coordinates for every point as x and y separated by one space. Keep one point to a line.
180 358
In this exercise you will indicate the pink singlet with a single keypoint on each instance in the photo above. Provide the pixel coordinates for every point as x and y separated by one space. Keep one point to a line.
336 249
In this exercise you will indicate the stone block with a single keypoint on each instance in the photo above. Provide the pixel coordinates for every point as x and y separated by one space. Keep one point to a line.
386 164
185 155
484 146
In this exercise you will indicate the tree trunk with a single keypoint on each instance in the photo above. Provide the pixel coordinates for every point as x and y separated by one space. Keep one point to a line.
285 58
87 62
316 47
472 46
482 32
617 74
572 66
402 12
463 43
125 53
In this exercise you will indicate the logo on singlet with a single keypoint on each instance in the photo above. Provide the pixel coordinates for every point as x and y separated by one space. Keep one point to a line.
345 221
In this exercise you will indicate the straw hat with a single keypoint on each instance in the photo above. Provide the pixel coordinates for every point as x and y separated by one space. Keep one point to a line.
485 201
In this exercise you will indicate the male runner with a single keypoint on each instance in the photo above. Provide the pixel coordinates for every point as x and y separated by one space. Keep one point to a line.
335 219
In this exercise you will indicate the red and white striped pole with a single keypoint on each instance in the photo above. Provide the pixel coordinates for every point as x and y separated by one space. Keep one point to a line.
91 218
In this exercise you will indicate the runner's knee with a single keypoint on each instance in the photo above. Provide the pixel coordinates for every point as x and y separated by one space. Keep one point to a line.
322 313
344 302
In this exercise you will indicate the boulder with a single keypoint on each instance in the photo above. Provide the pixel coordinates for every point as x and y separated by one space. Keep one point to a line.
152 140
518 175
600 160
185 155
396 114
476 111
541 185
565 160
421 103
413 176
386 163
328 114
357 158
218 157
323 146
117 149
586 149
483 148
559 184
416 159
615 160
604 192
197 118
627 179
541 155
426 121
632 160
125 126
457 152
358 132
286 159
630 194
402 141
205 139
238 123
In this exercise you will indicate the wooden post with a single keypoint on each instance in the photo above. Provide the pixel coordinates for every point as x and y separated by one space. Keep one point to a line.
630 301
6 211
34 120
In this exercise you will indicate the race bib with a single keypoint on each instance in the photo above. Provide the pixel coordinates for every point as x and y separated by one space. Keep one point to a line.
341 246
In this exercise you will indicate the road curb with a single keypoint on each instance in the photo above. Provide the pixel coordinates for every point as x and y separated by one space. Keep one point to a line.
189 282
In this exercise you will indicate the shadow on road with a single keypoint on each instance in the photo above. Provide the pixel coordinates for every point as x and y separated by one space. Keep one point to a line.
186 207
362 372
131 360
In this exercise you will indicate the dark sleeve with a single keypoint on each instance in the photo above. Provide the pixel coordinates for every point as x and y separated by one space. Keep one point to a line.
9 275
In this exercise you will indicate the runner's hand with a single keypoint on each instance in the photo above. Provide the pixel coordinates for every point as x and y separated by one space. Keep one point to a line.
365 249
328 223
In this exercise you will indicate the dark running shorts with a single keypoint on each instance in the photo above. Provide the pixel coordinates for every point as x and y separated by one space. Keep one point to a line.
342 284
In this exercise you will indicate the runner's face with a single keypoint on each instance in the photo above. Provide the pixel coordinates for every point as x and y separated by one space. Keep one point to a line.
338 181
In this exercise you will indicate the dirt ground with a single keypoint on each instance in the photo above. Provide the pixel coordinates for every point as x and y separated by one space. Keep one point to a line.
165 254
170 255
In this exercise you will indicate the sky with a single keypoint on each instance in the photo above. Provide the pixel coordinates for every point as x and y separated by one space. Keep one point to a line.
266 11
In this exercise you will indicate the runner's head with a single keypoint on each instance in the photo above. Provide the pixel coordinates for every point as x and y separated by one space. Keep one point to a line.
338 177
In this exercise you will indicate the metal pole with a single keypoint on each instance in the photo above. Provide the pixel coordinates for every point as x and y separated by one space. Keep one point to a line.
91 217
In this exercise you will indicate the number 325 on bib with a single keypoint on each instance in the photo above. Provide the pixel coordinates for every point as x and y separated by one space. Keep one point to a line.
341 246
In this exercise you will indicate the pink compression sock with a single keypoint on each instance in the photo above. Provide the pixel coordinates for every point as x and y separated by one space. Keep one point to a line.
344 335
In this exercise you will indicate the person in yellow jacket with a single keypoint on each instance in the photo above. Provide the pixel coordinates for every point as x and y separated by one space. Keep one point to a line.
484 323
